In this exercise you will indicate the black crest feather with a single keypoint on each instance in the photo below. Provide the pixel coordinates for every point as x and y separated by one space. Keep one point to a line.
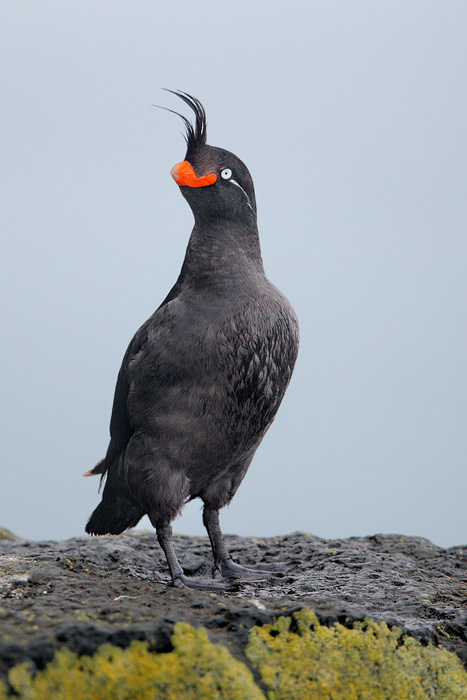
195 135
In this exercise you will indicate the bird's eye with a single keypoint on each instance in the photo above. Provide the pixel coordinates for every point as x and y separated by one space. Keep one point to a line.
226 174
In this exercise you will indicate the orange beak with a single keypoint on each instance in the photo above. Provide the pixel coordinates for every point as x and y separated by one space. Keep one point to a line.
184 175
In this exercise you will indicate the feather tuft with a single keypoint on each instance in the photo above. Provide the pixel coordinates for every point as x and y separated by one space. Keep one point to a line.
195 136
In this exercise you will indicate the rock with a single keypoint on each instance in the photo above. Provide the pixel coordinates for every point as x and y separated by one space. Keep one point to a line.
84 592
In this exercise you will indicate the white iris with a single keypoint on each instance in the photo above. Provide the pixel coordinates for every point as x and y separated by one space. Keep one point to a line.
226 174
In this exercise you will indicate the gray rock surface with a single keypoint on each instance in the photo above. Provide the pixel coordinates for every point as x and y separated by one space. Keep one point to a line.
87 591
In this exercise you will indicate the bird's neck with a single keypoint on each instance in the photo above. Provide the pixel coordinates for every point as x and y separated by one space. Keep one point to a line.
222 253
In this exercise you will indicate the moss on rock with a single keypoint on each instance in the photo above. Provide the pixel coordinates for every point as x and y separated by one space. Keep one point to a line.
195 669
297 657
300 658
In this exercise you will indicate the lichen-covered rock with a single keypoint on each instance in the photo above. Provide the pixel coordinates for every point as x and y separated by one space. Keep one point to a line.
83 593
297 657
300 658
196 669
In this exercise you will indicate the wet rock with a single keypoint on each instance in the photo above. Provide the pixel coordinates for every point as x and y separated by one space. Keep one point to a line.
84 592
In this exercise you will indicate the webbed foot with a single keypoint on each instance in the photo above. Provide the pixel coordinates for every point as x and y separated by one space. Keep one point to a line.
204 584
255 572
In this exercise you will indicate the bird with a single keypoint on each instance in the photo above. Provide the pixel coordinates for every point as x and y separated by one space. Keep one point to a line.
203 378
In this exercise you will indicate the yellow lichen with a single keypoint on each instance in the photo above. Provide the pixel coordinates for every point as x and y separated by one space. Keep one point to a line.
299 658
6 535
195 669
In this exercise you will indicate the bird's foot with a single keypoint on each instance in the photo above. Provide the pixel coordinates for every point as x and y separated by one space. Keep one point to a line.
253 572
203 584
276 567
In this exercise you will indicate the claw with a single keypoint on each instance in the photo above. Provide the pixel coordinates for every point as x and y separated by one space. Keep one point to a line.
256 572
204 584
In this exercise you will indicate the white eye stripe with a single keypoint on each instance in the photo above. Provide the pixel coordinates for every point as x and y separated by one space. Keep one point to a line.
234 182
226 174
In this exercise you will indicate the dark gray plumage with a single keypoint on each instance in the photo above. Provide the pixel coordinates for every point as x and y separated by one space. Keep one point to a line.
203 378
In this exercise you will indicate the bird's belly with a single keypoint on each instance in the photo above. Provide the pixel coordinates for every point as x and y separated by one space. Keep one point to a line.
210 423
211 410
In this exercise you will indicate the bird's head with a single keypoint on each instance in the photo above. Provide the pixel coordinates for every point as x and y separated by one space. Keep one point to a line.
215 183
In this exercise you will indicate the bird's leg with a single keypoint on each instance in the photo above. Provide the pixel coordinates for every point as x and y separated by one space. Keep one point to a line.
223 562
164 536
219 549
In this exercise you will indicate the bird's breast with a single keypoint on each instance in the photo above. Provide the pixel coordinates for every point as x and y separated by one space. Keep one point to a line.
212 376
258 364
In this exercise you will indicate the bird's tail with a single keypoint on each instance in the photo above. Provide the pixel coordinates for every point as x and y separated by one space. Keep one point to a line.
100 468
111 518
118 510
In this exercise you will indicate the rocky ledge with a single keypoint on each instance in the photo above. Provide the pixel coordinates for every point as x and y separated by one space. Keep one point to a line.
84 592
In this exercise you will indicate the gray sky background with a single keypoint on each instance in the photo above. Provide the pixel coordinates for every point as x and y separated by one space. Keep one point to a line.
351 117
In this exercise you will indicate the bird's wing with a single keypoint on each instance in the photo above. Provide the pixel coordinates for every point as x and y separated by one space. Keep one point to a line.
120 428
120 424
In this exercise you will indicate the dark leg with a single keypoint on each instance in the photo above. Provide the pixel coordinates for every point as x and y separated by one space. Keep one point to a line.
222 560
164 535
